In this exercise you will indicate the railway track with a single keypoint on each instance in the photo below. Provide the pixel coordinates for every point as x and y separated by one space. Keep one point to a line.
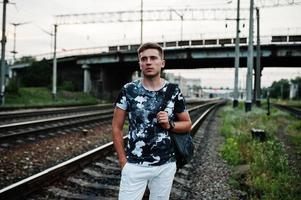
58 123
15 116
41 121
93 175
10 117
290 109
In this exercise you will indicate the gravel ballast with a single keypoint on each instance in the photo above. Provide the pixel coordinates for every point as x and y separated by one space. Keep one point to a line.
20 161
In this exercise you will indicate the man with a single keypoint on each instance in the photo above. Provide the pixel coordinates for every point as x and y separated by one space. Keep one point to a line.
149 159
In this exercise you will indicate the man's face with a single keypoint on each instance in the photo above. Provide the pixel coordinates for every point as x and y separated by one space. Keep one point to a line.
151 63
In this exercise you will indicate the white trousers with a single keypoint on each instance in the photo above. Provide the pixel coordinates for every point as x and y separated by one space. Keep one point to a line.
135 178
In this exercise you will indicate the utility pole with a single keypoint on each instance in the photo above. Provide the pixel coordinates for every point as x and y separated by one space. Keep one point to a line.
248 102
182 20
14 48
141 23
14 51
54 67
258 67
3 63
235 101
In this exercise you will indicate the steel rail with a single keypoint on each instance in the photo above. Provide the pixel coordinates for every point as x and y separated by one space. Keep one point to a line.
9 130
28 185
23 188
49 111
21 125
290 109
38 112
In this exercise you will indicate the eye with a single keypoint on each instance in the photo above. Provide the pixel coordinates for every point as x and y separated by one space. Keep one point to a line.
153 57
143 59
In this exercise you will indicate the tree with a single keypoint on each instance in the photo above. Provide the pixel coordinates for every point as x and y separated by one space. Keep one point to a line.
25 59
264 92
37 75
280 89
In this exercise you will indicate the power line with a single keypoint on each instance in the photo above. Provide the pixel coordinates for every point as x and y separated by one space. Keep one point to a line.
191 14
171 14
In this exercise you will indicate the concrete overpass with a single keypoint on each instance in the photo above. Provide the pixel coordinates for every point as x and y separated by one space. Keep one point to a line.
104 73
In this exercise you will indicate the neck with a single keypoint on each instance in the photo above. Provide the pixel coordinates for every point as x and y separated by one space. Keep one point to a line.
153 84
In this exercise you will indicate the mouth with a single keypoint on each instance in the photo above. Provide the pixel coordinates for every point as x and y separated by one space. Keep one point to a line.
149 69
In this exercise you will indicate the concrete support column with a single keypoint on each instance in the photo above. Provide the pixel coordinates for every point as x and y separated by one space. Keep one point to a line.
87 78
248 102
257 92
236 61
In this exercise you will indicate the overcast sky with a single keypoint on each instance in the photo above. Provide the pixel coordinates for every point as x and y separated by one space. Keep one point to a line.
32 38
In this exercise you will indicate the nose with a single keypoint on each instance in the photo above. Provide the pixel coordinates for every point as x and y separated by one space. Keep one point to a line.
148 60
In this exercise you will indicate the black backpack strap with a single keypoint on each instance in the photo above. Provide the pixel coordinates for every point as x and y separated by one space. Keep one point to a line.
167 96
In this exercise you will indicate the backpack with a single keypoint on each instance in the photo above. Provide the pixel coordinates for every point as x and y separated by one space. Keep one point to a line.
182 142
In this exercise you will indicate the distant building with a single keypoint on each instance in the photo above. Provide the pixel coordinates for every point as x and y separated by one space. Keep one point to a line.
181 81
189 87
217 93
194 87
293 90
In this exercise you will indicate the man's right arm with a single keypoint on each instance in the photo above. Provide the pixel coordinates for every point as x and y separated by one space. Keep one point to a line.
117 129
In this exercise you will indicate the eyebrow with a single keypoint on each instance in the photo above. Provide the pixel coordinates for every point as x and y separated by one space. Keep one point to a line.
151 57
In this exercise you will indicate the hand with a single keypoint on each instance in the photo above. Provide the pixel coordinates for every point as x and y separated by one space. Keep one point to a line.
162 118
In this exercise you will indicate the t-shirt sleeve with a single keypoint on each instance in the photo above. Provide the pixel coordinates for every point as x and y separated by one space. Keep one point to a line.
121 100
180 104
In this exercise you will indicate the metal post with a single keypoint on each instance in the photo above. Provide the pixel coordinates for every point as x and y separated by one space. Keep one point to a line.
235 101
14 47
54 68
14 51
87 78
182 21
258 67
268 102
3 64
141 23
248 103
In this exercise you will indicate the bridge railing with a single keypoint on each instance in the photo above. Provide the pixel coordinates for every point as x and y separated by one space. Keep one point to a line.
277 39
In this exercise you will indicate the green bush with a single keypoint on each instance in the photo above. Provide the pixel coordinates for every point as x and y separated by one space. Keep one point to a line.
68 86
270 176
39 74
13 86
230 152
40 97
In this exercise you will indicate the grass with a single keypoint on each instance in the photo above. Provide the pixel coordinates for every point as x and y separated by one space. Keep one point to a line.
270 177
293 132
41 97
294 103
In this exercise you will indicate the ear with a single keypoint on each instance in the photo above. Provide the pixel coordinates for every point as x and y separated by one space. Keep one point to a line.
163 63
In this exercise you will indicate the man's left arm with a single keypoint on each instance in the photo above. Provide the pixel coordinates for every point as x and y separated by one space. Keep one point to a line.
182 125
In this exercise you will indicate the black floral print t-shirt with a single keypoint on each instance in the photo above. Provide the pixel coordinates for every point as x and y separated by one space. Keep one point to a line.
149 144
